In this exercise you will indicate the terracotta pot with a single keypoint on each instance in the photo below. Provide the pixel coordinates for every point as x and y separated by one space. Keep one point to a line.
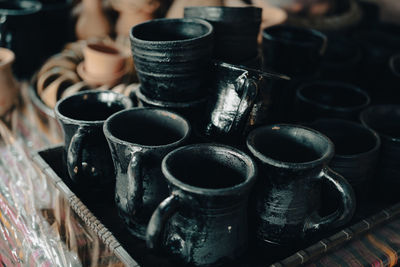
8 85
102 59
92 22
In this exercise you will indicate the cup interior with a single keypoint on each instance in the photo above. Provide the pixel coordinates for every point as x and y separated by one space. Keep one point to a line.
170 30
93 106
333 95
349 138
288 144
105 49
293 35
148 127
384 119
207 167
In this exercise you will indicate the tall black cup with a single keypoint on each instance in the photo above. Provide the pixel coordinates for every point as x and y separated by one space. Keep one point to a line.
139 139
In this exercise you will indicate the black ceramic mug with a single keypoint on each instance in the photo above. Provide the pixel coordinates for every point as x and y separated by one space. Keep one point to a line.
356 152
204 220
172 58
139 139
328 99
292 50
293 162
235 30
385 120
87 155
241 99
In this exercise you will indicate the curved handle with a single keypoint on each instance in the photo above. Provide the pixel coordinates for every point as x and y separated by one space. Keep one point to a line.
135 182
347 204
74 153
157 222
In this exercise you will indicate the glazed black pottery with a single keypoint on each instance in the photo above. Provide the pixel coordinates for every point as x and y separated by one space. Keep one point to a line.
328 99
293 51
87 155
235 30
241 98
139 139
356 152
19 28
293 162
385 120
204 220
172 58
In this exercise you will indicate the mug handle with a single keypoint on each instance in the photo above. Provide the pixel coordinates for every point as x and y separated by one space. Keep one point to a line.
158 220
346 208
74 152
135 182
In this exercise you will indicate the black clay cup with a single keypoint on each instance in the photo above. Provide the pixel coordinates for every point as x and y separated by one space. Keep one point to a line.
356 152
235 30
293 162
204 220
87 155
139 139
172 58
328 99
293 51
385 120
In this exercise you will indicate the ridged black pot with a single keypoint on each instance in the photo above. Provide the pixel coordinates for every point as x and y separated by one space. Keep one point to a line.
328 99
235 30
19 31
385 120
356 153
172 58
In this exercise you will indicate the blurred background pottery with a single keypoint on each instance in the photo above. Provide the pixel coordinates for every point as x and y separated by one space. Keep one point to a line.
19 31
92 21
9 88
102 59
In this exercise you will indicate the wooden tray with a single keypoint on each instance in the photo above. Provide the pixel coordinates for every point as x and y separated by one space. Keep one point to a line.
103 220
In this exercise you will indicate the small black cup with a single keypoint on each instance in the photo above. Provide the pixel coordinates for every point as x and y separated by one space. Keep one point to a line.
235 30
356 152
204 220
87 155
172 58
293 51
329 99
293 162
139 139
385 120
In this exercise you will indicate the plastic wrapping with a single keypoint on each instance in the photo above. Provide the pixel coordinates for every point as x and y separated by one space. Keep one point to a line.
37 225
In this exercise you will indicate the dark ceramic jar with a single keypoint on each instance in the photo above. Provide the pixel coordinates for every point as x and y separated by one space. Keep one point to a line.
19 28
204 220
172 58
293 163
235 30
139 139
329 99
87 155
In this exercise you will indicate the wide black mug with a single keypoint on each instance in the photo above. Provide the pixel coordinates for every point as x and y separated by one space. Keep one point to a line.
172 58
293 162
139 139
88 158
235 30
204 220
356 153
329 99
385 120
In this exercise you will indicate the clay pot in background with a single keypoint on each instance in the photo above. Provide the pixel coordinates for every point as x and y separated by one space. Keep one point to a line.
8 85
176 9
92 22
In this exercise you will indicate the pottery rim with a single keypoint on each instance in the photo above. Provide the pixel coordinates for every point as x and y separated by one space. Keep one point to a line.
126 102
159 111
230 10
23 8
327 155
356 89
251 172
166 20
394 64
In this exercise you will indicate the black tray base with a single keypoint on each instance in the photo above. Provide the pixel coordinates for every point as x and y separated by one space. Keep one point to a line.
257 255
